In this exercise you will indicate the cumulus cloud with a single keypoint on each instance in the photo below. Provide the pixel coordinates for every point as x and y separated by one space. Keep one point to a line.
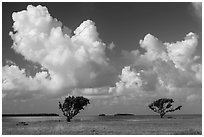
167 69
72 61
181 52
154 48
164 70
16 83
129 79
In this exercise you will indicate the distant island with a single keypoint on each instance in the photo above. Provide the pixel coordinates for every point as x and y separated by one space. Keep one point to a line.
29 115
124 114
102 115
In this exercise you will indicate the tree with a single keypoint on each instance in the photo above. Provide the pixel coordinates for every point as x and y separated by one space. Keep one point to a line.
72 106
163 106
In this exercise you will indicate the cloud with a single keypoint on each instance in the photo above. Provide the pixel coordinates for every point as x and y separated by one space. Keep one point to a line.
181 52
164 70
77 64
129 79
154 48
9 62
193 97
71 61
101 92
197 8
111 46
167 69
17 84
197 68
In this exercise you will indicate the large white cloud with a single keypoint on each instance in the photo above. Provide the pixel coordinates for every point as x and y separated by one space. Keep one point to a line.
168 69
72 61
154 48
164 70
181 52
16 83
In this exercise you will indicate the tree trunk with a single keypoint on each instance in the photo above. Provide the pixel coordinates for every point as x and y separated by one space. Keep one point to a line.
162 115
68 119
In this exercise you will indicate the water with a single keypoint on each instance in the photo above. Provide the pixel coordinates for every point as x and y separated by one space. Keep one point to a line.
99 118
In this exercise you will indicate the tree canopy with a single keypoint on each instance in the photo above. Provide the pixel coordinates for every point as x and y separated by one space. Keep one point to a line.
72 106
163 106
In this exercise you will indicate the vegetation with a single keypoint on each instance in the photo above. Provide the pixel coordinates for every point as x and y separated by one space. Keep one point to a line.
72 106
163 106
102 115
188 132
124 114
29 115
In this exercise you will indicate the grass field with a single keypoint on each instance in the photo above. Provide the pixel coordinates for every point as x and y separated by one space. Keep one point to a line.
110 127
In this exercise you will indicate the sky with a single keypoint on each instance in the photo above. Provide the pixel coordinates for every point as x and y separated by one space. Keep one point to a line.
121 56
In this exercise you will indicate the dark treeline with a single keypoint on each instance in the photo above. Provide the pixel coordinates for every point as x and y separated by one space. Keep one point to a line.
29 115
124 114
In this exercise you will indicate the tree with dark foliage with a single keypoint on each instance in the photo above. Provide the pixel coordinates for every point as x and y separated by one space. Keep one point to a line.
72 106
163 106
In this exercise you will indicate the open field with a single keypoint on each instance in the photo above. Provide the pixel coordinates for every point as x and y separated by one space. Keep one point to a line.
104 126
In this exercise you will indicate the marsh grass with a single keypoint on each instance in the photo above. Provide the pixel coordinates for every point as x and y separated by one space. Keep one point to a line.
108 126
188 132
